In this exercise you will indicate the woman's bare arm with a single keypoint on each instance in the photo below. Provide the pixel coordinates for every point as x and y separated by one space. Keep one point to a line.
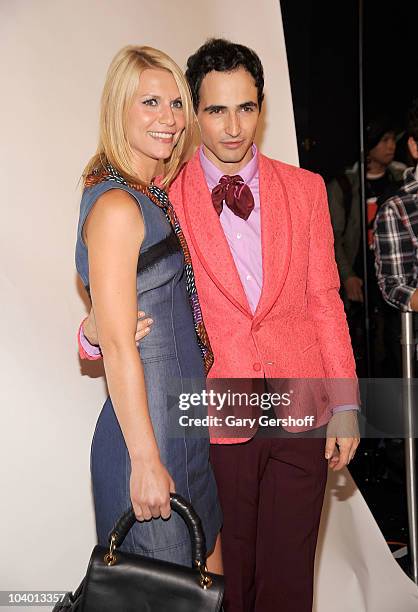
114 232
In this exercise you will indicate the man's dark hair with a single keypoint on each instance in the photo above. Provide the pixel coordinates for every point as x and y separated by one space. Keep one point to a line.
376 128
223 56
412 120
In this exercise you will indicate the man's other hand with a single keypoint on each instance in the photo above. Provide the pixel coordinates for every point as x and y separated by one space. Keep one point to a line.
143 327
343 438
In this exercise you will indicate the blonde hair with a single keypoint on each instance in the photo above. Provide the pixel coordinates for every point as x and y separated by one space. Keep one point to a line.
117 98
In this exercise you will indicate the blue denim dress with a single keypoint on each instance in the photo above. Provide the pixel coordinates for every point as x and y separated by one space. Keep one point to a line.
172 365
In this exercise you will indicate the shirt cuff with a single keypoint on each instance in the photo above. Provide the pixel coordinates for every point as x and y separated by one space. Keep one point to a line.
344 408
85 349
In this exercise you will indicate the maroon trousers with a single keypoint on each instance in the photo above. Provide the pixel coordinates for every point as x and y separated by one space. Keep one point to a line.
271 492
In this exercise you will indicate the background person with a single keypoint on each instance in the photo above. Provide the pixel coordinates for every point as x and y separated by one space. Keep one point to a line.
383 176
396 233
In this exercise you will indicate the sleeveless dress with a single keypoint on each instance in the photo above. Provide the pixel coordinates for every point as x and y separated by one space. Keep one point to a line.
173 364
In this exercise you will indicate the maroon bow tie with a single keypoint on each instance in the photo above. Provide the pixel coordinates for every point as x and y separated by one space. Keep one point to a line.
236 194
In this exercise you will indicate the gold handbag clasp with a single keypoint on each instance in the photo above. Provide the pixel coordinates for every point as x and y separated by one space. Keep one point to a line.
205 580
110 557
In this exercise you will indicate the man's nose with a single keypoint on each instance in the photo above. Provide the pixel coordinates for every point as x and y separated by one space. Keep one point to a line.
233 126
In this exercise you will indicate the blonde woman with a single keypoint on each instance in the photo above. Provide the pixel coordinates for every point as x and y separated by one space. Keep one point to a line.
131 255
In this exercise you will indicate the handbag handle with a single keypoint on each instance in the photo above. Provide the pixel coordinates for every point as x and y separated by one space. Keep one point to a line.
188 514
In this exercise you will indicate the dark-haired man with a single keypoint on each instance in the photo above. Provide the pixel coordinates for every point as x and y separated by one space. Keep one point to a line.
396 233
260 239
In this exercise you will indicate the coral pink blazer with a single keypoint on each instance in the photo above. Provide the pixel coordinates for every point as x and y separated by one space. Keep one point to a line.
299 328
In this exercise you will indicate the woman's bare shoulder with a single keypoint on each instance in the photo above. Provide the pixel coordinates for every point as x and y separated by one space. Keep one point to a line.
115 210
116 205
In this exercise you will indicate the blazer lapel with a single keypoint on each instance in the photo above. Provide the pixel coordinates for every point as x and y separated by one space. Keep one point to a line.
276 234
207 236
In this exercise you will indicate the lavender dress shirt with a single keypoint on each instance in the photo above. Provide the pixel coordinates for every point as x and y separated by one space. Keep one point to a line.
244 237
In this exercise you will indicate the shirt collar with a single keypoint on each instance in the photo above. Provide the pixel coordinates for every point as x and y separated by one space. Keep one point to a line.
213 174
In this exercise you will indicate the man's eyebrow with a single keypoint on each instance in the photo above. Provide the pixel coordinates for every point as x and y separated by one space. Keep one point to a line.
249 103
214 107
218 107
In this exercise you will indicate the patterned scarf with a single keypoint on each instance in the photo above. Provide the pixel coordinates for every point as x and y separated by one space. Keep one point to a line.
159 197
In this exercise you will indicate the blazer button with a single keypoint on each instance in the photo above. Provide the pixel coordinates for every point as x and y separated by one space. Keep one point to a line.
257 366
324 398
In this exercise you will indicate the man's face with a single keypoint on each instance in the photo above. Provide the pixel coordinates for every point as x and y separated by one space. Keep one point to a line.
228 115
383 153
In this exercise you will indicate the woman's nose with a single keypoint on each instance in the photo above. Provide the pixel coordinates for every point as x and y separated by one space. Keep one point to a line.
167 115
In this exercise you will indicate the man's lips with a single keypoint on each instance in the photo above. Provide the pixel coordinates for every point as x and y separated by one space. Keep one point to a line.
234 144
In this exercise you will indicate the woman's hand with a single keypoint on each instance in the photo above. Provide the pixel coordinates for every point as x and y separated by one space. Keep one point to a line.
150 487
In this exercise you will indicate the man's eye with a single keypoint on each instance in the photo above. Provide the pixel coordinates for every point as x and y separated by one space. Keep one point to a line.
247 109
177 104
215 111
150 102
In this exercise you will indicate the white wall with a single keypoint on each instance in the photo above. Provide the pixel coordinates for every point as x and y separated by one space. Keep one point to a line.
54 56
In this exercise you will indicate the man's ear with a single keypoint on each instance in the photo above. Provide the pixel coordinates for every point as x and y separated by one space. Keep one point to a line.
413 147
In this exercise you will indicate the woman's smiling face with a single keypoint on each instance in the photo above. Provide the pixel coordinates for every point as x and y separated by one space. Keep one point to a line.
155 120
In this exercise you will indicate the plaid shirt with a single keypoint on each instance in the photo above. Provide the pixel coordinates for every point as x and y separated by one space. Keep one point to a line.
396 244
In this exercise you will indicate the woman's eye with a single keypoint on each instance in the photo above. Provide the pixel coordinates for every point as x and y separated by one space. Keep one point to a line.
177 104
150 102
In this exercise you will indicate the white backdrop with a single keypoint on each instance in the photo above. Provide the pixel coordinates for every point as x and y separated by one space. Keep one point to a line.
54 59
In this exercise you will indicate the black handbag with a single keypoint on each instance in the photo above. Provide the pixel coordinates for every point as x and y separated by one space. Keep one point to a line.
118 581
